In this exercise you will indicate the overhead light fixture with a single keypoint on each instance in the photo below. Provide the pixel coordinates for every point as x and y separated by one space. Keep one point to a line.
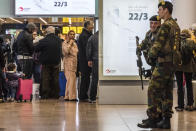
70 21
15 20
55 24
2 20
43 20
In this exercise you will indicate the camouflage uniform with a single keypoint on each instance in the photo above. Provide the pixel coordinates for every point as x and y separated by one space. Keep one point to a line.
160 88
145 47
147 44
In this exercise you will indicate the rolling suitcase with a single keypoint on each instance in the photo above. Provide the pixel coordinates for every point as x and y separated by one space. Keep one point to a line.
24 91
62 83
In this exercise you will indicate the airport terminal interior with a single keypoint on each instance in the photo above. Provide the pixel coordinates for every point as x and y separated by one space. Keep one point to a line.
102 79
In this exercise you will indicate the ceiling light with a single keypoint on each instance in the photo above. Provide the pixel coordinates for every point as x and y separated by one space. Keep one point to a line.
43 20
15 20
2 20
70 21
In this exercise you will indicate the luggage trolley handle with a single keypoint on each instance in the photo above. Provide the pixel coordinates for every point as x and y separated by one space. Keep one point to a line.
23 63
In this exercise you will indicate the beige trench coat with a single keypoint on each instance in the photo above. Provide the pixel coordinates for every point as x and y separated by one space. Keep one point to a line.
70 68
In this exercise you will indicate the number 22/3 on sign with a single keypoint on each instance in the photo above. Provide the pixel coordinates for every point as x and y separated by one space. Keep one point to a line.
60 4
138 16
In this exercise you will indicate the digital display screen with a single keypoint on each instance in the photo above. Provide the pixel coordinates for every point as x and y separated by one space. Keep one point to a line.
55 7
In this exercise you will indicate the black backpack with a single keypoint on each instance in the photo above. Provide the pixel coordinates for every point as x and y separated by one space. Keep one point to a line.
186 52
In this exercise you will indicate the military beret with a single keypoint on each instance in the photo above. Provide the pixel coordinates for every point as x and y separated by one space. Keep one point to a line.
166 4
155 18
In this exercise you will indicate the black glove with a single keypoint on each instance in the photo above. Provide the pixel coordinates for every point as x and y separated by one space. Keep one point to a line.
138 51
147 73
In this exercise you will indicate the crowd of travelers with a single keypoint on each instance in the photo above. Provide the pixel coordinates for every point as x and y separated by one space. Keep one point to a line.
39 55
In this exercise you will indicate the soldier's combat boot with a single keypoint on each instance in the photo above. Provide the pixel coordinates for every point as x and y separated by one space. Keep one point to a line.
157 120
148 123
164 124
144 120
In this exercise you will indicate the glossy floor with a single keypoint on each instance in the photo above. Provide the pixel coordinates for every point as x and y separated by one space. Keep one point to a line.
52 115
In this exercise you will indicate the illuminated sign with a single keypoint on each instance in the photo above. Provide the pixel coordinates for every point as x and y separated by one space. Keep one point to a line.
55 7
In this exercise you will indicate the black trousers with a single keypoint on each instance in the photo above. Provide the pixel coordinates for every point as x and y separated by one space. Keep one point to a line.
84 85
188 77
3 87
26 67
93 88
50 81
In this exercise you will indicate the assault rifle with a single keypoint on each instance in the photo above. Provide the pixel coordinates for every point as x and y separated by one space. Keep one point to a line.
139 61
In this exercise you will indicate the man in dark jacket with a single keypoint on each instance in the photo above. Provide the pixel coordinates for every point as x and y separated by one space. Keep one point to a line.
83 63
50 57
2 56
25 49
2 69
92 58
2 59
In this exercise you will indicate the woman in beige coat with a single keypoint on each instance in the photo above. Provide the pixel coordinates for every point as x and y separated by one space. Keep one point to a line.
70 51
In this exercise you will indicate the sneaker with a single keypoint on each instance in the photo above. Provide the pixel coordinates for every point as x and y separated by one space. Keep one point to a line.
9 99
189 108
92 101
179 108
12 100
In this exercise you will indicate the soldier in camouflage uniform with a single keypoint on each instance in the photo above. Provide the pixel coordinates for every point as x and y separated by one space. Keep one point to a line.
161 84
146 44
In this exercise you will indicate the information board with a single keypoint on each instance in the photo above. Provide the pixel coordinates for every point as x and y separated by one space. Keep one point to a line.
54 7
122 21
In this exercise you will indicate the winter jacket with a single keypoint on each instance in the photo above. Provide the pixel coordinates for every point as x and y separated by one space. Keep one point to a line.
82 43
25 43
12 79
6 48
70 56
2 59
92 47
50 50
